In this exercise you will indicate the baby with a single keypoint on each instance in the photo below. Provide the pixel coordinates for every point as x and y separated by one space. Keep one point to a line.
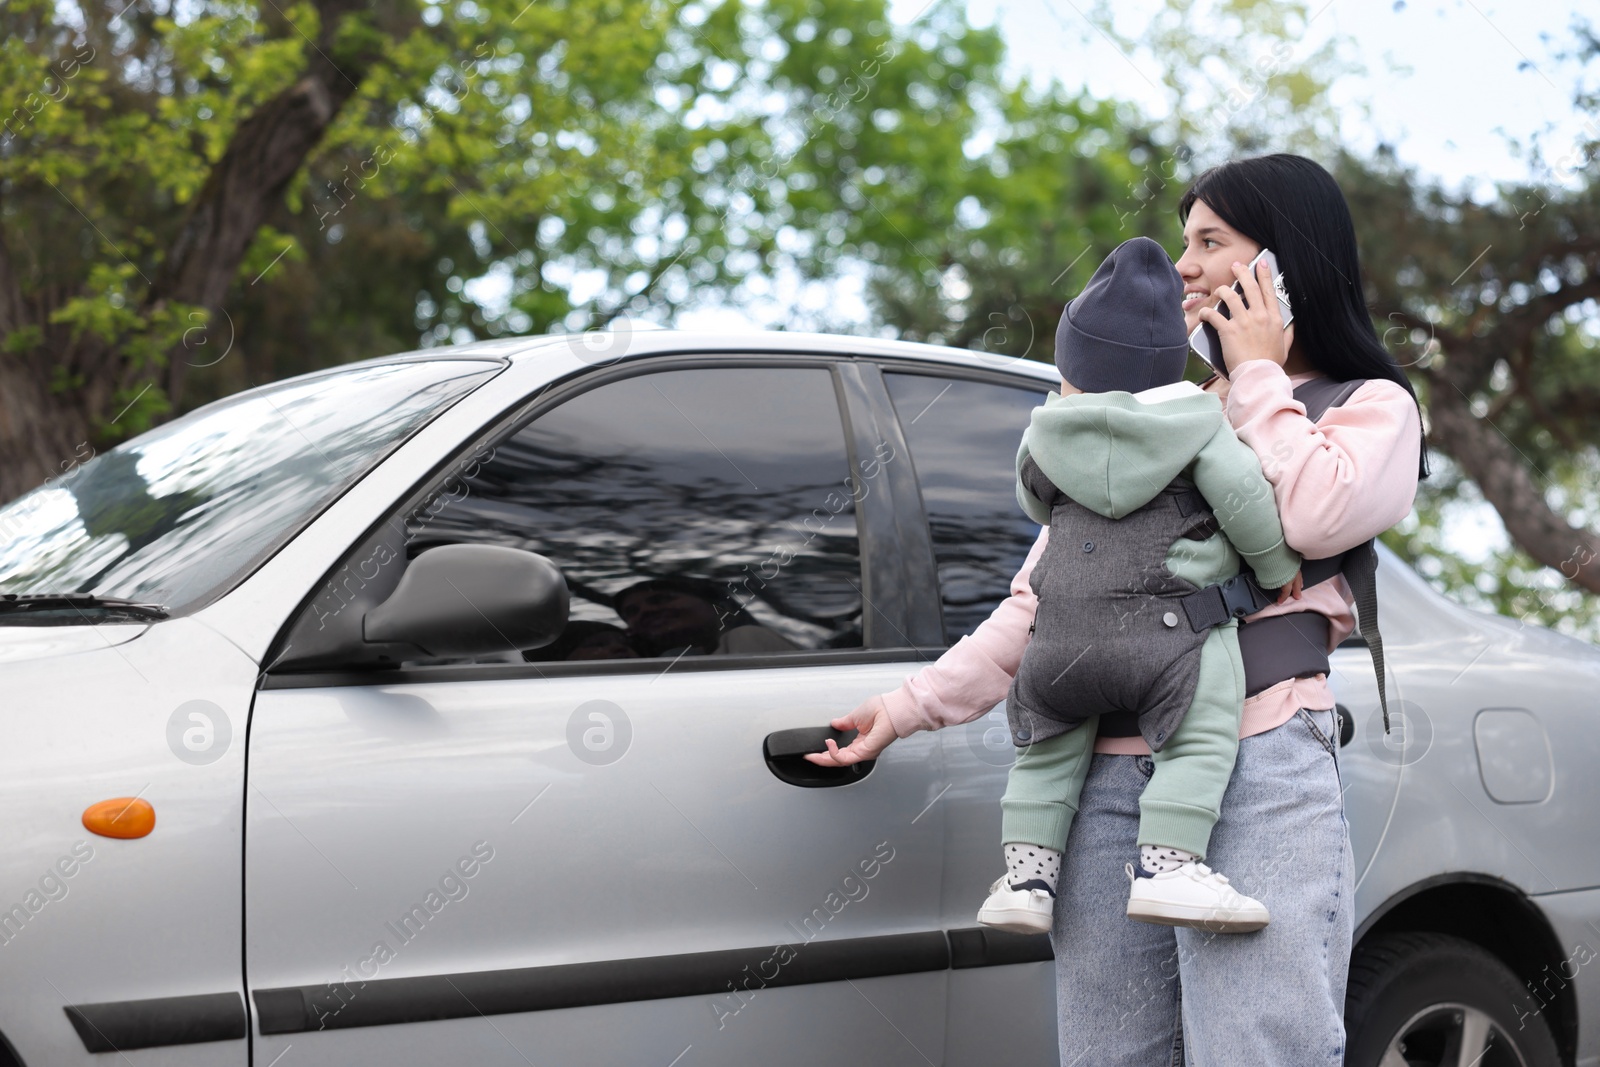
1151 502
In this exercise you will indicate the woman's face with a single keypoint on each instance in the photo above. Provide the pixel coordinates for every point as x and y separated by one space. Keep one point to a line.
1210 249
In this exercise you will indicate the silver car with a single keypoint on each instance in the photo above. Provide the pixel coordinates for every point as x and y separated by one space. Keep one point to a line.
450 708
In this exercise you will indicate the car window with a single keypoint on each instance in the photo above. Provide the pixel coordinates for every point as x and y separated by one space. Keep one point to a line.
696 511
963 437
175 516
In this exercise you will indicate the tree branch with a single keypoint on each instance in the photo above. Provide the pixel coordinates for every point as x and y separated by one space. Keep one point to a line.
1503 475
1577 403
1517 326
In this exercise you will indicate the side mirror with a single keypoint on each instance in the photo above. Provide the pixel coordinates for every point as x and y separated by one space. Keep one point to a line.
471 600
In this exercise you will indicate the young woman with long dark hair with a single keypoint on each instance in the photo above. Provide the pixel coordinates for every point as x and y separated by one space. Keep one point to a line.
1275 997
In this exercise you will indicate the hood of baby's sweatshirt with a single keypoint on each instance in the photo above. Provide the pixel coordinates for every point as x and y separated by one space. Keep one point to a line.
1113 452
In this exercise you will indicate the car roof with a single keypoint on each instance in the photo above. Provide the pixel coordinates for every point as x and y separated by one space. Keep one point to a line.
636 343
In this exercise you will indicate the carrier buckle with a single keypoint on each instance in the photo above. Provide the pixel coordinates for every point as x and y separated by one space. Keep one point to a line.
1238 598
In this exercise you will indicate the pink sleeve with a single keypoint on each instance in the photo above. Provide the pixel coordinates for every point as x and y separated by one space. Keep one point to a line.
1338 481
975 673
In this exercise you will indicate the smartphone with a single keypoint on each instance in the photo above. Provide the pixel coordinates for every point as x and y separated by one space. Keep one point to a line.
1204 340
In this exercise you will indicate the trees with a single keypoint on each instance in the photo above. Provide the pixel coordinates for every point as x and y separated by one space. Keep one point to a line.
1492 307
192 204
158 166
140 160
199 197
972 207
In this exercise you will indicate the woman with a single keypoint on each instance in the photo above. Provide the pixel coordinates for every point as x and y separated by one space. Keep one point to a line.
1275 997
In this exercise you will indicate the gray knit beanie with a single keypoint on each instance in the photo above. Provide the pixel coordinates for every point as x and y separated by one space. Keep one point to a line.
1125 331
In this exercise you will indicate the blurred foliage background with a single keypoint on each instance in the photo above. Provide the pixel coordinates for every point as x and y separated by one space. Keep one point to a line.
201 195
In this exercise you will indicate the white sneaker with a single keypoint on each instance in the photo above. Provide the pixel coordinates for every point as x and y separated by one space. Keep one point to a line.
1193 895
1018 911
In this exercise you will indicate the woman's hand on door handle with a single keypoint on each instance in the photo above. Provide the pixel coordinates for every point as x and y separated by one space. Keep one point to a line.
876 734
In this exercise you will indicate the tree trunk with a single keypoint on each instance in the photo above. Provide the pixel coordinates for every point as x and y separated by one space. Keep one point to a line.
1504 478
244 186
40 436
43 432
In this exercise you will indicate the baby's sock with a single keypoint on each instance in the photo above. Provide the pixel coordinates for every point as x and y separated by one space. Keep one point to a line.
1158 859
1032 863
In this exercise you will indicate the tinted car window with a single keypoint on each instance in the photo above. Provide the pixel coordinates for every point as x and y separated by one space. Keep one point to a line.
177 515
694 511
963 437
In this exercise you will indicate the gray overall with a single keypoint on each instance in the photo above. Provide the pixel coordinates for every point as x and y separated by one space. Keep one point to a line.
1109 633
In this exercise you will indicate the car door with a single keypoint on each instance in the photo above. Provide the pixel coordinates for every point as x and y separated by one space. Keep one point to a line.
963 428
597 852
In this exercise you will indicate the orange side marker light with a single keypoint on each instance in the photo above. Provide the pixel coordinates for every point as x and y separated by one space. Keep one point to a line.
125 817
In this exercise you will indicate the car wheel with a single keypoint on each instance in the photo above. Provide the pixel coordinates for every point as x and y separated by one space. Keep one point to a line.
1429 1000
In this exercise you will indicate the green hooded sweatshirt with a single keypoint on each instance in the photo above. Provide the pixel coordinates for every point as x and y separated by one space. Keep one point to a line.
1113 452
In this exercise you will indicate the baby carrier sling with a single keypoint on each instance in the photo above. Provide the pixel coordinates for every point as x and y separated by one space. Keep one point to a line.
1109 630
1294 645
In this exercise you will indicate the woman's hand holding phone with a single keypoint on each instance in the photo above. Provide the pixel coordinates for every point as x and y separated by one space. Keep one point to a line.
1255 329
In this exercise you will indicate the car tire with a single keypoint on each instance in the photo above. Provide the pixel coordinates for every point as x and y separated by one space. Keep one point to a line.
1414 999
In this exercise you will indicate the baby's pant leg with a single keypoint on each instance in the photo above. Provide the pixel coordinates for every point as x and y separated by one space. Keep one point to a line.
1181 804
1043 787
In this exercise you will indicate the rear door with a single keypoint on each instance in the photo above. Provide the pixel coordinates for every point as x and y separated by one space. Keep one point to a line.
582 855
963 429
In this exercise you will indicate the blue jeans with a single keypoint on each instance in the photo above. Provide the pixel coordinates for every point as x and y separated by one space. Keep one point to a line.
1274 998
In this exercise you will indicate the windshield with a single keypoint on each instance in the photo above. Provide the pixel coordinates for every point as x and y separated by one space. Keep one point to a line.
177 515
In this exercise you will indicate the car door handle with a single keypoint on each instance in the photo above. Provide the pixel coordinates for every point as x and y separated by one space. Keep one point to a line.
785 751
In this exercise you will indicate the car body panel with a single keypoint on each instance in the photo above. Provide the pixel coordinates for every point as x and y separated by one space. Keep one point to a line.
360 796
1422 785
1574 919
681 842
24 644
146 918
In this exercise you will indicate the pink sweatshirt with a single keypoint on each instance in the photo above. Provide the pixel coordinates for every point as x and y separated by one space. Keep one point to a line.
1338 482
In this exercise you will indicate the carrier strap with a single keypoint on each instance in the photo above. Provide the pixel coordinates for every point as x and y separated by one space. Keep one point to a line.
1285 646
1361 573
1280 645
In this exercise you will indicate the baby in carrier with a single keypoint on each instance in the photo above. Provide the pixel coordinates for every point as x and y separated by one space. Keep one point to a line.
1150 498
